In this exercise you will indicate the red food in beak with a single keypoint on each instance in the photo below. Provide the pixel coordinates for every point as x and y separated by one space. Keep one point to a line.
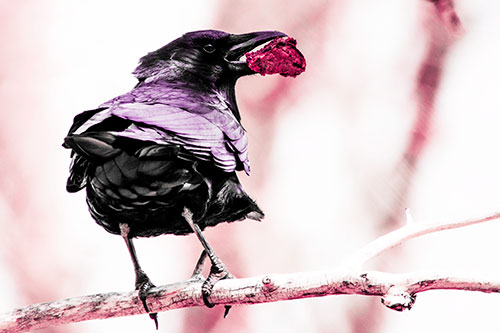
279 56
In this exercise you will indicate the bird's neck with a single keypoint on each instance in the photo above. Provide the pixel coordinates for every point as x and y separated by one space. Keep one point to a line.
227 90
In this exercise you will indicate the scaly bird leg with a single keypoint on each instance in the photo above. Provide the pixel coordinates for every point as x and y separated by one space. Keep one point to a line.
199 266
142 282
218 271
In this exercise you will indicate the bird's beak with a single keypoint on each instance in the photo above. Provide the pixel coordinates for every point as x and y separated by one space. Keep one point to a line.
241 44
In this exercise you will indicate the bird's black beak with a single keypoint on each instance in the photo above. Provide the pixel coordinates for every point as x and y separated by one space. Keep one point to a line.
241 44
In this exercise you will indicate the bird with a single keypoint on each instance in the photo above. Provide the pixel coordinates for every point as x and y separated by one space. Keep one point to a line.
162 158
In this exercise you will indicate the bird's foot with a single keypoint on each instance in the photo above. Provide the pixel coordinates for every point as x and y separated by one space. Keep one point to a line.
218 272
143 284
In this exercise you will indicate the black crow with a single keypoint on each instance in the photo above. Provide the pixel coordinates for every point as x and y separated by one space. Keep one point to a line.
161 159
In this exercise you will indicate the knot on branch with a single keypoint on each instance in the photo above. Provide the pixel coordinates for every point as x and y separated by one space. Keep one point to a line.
397 298
268 284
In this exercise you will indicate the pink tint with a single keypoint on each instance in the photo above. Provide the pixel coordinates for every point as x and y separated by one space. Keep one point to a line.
350 121
279 56
449 17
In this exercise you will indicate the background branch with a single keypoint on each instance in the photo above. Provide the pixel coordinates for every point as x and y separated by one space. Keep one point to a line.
409 231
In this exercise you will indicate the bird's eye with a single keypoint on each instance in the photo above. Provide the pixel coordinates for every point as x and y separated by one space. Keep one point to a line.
209 48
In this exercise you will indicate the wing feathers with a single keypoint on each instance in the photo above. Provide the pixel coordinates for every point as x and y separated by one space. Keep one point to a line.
93 146
207 131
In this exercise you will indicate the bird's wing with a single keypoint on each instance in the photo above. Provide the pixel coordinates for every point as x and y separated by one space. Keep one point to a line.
208 133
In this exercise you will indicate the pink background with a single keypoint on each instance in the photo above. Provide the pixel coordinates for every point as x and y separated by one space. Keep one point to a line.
392 112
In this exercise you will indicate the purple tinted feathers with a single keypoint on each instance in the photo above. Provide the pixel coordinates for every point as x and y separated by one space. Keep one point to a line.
203 124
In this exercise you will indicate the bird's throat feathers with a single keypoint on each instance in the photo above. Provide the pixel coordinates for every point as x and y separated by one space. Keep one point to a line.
174 74
227 90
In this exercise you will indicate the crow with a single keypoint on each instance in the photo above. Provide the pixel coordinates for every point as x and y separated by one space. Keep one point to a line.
162 158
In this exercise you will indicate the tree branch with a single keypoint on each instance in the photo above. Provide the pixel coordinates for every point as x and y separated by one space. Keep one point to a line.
398 291
409 231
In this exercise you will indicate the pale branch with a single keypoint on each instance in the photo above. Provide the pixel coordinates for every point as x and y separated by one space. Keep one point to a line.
398 292
409 231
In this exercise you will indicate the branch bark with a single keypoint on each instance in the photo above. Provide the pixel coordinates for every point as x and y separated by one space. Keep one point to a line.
398 291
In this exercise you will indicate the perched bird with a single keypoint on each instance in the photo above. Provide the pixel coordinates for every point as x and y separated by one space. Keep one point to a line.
161 159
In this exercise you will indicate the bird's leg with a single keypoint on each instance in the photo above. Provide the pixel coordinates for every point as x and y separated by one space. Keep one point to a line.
199 266
218 271
142 282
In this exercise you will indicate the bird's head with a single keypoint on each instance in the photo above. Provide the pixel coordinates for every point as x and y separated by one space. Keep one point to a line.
206 56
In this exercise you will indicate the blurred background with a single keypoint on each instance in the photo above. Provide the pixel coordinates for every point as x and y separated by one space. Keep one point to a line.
399 107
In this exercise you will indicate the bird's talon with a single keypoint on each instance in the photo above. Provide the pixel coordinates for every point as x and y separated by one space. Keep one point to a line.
226 311
143 284
154 316
217 273
207 303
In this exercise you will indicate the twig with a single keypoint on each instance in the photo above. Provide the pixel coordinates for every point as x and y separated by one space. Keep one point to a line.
398 292
409 231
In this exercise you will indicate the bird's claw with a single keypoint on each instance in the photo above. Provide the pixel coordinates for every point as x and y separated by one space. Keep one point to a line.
143 284
218 272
